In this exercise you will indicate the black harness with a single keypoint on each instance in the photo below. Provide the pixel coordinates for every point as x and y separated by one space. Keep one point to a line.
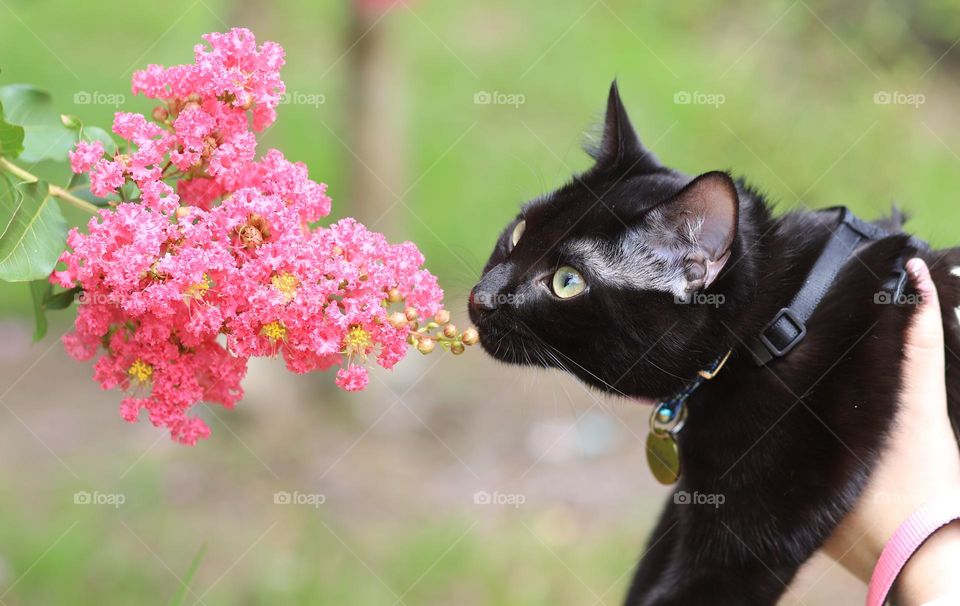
782 333
789 326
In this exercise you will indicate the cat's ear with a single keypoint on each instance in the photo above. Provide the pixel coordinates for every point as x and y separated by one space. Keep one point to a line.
697 227
619 146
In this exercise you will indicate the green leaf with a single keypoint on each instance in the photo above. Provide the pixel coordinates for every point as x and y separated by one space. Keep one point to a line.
95 133
62 299
52 172
8 199
89 133
36 232
39 291
45 136
185 584
11 138
79 186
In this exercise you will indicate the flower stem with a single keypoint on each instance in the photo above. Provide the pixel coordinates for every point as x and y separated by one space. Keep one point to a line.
55 191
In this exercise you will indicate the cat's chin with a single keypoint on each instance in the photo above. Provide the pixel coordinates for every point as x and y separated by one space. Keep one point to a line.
501 349
632 393
508 347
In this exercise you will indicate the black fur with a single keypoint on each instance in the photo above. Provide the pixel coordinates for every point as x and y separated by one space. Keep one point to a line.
789 446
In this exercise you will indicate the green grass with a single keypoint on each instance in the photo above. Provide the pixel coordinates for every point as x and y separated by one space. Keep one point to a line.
145 553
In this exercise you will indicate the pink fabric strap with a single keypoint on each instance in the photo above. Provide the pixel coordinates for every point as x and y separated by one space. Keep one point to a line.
906 541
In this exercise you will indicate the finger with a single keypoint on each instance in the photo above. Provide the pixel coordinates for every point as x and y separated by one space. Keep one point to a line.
924 385
926 331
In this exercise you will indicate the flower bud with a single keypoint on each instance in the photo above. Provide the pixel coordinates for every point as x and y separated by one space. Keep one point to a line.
398 320
470 336
425 346
250 236
450 331
394 295
254 232
442 316
160 114
456 349
412 339
411 314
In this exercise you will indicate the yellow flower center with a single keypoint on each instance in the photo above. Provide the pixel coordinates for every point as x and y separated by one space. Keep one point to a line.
287 285
140 371
275 331
357 341
196 291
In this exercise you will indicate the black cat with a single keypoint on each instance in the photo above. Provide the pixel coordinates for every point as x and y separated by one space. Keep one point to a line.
634 277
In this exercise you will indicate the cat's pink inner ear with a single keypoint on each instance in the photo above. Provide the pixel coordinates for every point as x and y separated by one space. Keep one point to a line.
710 207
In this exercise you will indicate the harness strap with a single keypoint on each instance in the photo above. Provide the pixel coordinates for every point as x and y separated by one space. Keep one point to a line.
788 328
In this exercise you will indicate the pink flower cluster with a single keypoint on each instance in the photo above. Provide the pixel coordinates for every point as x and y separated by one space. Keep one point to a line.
207 258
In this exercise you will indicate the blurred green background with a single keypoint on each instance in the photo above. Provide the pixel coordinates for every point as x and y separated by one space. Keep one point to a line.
818 103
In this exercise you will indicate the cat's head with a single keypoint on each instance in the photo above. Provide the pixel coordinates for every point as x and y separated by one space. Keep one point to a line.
608 276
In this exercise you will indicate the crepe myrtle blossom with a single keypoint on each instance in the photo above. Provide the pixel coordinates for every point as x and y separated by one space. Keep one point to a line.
206 255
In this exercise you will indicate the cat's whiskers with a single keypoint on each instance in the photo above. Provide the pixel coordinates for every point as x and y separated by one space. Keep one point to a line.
574 362
502 337
665 371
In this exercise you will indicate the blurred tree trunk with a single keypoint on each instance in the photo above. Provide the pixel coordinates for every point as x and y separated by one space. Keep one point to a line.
248 13
375 119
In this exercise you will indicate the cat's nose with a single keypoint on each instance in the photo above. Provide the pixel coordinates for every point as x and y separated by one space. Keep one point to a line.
484 296
482 301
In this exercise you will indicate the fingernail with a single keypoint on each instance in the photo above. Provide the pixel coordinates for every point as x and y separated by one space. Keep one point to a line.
916 267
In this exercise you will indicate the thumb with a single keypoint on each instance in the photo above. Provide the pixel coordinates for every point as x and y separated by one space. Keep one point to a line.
925 336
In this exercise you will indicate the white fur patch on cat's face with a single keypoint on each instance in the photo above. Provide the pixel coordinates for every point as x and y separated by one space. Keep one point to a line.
627 266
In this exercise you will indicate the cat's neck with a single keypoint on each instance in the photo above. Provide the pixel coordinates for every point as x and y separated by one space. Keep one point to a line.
774 257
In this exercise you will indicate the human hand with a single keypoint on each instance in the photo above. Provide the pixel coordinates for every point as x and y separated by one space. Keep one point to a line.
920 463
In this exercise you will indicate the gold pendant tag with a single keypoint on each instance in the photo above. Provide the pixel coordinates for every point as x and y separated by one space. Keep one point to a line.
663 456
666 421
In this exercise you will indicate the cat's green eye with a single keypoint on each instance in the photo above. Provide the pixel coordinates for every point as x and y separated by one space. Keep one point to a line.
567 282
517 232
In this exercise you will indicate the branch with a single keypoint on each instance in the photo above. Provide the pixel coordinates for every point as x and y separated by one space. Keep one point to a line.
55 191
